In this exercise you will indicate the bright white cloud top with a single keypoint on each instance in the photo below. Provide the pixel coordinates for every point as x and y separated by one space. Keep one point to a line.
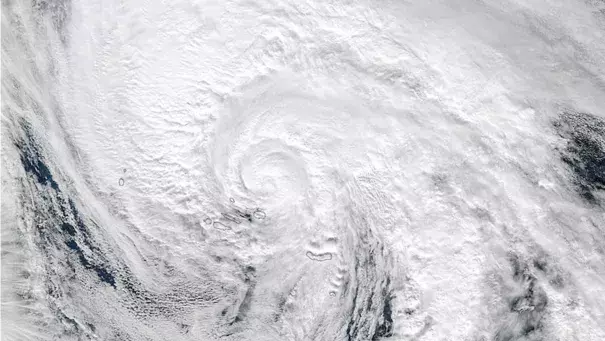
197 170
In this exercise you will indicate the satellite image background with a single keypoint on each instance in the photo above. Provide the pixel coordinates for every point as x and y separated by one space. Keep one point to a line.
299 170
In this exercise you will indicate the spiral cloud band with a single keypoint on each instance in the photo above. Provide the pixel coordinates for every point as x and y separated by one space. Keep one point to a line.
299 170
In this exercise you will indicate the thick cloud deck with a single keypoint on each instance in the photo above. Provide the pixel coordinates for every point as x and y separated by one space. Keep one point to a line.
195 170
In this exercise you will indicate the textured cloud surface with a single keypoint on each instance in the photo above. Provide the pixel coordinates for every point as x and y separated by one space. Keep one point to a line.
241 170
